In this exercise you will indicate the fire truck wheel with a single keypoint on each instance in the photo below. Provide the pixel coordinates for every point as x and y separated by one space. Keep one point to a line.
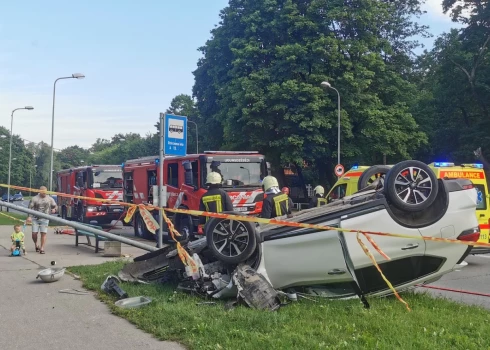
140 229
81 214
185 228
231 241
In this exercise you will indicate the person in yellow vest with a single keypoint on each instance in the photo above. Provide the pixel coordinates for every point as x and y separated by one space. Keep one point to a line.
216 200
276 203
318 198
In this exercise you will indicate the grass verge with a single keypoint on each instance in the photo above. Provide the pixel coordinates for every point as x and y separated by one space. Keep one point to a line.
6 220
433 323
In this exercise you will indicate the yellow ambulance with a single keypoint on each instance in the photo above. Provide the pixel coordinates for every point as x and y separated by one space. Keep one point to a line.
350 183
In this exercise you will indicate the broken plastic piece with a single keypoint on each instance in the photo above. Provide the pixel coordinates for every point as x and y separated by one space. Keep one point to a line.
110 286
254 289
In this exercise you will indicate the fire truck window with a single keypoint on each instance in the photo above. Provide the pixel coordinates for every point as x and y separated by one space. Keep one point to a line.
195 173
173 175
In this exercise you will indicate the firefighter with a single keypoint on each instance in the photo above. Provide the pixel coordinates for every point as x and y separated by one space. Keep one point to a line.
276 204
318 198
215 200
285 190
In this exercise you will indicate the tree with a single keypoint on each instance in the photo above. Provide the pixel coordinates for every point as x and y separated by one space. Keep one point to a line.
72 156
260 76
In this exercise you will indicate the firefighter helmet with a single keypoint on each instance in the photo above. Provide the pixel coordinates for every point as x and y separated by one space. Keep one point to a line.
285 190
268 182
319 190
213 178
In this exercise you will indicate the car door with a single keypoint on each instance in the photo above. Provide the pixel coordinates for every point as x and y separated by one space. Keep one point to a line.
406 254
301 257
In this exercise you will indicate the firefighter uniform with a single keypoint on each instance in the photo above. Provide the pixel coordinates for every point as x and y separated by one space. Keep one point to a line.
276 203
318 199
215 200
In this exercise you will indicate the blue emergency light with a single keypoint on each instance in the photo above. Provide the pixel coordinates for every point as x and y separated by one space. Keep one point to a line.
442 164
157 161
355 167
479 166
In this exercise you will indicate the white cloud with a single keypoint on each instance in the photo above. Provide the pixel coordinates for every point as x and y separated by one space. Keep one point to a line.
434 10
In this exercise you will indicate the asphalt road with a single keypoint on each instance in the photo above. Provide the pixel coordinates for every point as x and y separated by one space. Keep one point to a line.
473 278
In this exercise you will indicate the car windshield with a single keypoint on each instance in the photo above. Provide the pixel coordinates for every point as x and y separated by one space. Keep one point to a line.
237 174
106 179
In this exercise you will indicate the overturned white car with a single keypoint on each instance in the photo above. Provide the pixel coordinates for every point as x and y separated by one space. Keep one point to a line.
254 261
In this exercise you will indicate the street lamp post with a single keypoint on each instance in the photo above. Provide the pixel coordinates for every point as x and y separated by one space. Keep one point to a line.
29 108
197 135
327 85
73 76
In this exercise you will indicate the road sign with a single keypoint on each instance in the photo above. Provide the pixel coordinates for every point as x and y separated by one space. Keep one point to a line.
175 135
339 170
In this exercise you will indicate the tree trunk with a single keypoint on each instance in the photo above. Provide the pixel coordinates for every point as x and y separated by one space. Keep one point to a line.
301 180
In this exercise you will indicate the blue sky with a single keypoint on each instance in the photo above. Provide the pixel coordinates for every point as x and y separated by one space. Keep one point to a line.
136 57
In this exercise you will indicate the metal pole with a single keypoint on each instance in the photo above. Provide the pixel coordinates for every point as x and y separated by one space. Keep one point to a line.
82 227
52 133
338 136
197 136
160 180
52 139
10 152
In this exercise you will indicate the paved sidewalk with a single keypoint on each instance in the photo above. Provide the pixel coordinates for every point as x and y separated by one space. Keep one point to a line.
34 315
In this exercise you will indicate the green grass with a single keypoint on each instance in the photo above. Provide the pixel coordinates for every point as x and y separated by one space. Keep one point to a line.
4 220
432 324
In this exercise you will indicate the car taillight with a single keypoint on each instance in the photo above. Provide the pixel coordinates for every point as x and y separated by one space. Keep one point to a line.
472 235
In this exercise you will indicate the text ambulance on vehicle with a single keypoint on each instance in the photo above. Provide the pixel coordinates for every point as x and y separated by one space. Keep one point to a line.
184 178
353 179
94 181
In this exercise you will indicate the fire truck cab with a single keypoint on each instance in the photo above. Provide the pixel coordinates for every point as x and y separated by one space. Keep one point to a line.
94 181
184 178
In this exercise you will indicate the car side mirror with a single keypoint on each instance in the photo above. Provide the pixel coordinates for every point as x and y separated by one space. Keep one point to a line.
188 180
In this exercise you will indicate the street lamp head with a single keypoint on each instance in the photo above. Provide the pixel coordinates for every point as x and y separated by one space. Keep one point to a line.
78 75
29 108
326 84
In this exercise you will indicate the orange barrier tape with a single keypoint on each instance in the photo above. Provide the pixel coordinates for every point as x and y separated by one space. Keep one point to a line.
373 260
259 220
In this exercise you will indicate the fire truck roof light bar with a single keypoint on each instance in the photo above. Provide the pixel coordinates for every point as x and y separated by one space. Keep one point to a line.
231 152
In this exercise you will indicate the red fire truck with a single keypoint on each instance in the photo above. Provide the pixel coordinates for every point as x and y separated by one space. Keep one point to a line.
94 181
185 177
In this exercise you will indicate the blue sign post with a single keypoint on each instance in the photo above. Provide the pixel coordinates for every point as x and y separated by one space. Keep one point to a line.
175 135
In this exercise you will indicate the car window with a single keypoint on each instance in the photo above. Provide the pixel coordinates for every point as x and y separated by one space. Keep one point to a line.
337 192
482 195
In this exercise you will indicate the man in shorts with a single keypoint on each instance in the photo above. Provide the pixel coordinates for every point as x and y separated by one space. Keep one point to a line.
44 204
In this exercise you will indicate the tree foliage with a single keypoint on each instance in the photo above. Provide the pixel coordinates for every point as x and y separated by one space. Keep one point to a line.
259 80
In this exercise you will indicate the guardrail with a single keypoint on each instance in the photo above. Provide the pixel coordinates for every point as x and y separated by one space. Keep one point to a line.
79 226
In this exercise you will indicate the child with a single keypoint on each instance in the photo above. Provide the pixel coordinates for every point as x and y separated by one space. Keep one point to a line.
18 235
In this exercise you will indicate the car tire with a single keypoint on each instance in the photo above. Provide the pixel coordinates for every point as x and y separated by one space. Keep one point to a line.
375 170
230 241
411 186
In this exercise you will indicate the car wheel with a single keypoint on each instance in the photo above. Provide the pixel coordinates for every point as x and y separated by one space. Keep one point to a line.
371 174
411 186
230 241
